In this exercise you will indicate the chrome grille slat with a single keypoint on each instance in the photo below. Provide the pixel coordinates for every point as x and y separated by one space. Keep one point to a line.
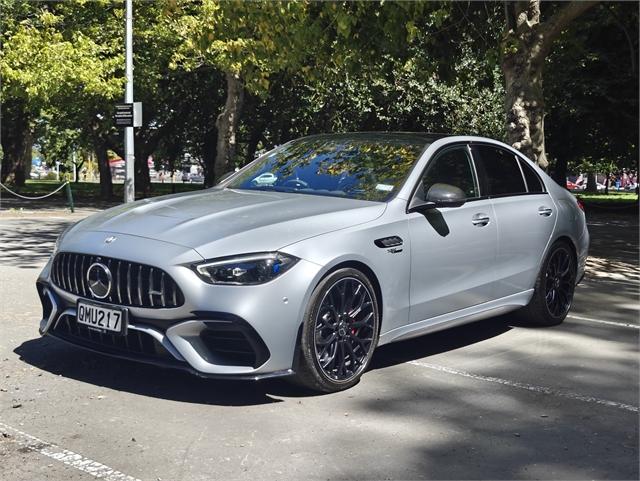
82 276
54 271
140 284
118 282
67 258
162 298
75 272
61 270
63 275
129 283
133 284
174 290
70 271
151 286
56 266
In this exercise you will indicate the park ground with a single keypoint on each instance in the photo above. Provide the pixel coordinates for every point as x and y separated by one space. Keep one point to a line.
88 193
491 400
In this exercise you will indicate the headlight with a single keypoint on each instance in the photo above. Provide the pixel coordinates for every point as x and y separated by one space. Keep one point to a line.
249 269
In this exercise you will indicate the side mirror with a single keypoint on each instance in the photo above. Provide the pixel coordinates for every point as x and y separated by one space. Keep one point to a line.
445 195
439 195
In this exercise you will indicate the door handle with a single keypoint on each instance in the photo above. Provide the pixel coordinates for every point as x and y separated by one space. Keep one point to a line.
545 211
480 220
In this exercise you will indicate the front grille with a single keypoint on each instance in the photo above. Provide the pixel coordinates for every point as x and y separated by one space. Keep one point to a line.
133 284
134 343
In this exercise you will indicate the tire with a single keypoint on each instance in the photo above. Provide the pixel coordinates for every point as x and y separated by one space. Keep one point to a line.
340 332
554 288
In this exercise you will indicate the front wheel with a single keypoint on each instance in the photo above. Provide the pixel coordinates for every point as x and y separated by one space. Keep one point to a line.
554 288
340 332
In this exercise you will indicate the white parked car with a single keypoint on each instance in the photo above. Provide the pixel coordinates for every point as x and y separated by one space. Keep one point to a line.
265 179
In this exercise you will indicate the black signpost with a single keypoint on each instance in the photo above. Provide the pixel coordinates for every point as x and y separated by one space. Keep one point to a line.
124 115
128 115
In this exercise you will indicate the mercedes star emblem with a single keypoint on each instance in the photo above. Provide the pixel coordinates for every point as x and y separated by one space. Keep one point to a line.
99 280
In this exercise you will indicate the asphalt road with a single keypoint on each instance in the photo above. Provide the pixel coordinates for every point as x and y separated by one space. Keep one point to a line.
491 400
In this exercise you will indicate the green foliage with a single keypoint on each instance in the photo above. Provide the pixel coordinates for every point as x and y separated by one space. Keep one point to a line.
308 67
613 197
251 39
44 58
592 91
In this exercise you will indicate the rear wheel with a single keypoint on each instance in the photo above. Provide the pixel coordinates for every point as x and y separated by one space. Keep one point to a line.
340 332
554 288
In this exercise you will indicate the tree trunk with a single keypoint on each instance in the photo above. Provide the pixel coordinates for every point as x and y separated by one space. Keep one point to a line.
227 126
27 148
592 185
526 42
141 169
525 104
15 136
78 167
106 185
209 158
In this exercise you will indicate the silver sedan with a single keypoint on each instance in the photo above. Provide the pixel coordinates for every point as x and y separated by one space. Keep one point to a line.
305 260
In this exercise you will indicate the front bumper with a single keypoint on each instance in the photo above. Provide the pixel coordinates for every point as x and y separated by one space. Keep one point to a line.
240 332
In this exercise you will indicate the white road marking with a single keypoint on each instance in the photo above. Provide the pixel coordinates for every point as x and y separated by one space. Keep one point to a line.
528 387
65 456
602 321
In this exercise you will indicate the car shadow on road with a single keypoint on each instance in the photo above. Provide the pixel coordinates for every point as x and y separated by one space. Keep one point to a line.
439 342
61 359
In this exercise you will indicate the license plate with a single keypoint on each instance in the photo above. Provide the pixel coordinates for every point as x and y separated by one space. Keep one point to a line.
103 317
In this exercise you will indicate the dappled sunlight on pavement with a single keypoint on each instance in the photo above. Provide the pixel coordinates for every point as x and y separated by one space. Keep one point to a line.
614 270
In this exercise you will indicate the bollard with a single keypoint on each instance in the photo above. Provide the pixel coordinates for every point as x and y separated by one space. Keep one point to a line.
70 197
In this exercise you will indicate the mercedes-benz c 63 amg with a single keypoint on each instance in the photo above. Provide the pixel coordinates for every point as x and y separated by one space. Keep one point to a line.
314 254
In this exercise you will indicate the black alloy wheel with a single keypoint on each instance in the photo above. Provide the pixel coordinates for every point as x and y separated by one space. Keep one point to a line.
560 282
340 332
344 329
554 288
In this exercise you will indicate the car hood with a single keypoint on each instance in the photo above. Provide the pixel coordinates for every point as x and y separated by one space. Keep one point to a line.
220 222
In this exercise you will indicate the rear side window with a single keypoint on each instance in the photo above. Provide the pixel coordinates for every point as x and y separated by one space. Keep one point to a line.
534 184
498 170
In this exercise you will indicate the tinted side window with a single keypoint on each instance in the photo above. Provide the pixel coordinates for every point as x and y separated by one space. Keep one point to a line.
499 169
452 167
534 183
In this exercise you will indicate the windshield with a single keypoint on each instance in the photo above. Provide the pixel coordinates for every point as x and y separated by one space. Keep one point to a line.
367 169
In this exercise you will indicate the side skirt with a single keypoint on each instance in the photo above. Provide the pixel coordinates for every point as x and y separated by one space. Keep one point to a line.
456 318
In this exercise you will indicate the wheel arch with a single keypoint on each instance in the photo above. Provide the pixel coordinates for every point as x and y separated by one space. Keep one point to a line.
568 240
354 264
348 263
367 271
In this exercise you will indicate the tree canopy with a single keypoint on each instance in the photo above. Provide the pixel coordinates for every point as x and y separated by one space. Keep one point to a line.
221 80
